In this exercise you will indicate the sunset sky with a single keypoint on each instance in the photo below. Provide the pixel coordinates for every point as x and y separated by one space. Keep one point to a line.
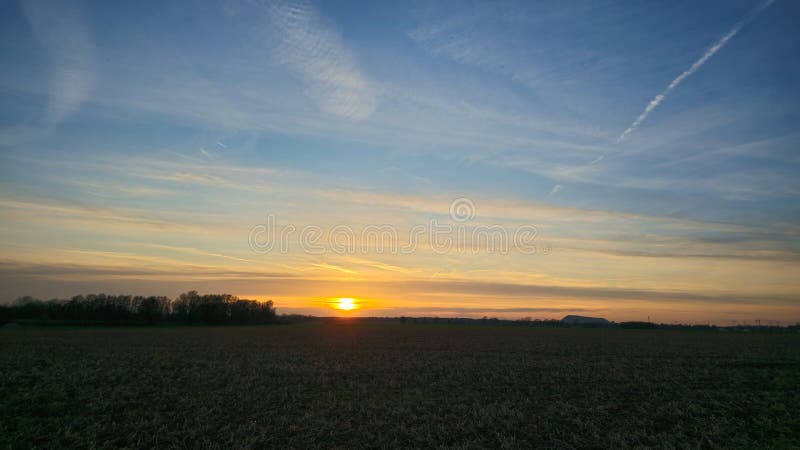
653 147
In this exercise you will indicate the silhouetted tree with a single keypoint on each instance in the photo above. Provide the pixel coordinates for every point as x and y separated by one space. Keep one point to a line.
189 307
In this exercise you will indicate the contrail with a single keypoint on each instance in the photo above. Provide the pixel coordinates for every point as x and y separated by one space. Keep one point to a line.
697 64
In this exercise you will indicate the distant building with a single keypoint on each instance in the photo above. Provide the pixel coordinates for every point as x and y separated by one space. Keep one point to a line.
583 320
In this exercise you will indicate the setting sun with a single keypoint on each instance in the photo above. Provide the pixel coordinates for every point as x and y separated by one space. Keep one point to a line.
346 304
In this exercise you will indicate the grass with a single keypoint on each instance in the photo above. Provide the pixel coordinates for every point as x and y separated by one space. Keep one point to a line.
396 385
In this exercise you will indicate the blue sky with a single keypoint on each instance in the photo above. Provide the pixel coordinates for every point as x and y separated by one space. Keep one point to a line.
149 139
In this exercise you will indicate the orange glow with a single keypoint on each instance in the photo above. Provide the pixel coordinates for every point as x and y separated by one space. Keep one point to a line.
345 304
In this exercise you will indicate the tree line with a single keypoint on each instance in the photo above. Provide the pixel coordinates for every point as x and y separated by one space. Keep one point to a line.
189 307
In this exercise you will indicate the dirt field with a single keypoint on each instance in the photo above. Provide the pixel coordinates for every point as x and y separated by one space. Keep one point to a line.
396 385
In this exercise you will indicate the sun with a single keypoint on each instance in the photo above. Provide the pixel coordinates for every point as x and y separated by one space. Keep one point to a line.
345 304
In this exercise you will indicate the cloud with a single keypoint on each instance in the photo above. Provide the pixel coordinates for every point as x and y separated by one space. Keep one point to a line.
69 46
17 276
468 311
195 251
539 291
66 214
744 255
556 189
155 269
314 51
327 266
462 38
658 99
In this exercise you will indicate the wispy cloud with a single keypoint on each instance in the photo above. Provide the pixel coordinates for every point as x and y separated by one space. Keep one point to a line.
327 266
314 51
196 251
97 218
68 44
717 46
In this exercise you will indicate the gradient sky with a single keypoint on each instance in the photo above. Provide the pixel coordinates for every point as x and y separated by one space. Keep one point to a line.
653 145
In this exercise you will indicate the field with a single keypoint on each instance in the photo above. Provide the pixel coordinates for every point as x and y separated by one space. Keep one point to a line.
396 385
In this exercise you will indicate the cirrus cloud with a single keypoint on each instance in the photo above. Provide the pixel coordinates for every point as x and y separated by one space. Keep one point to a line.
315 52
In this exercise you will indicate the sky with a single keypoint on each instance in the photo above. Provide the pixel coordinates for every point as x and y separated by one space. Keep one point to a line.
625 159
